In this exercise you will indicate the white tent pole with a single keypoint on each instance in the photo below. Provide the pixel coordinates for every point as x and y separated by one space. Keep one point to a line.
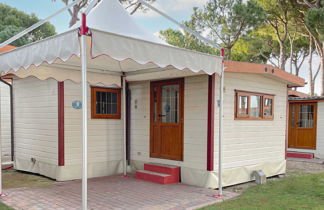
221 127
36 25
124 130
90 6
83 33
192 32
0 155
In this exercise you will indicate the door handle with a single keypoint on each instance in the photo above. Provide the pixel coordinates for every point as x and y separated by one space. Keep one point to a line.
162 115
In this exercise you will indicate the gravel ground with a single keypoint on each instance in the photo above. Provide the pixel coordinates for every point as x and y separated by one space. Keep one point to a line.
311 166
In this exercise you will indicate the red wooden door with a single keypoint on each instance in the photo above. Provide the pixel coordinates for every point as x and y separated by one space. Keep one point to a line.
302 125
166 133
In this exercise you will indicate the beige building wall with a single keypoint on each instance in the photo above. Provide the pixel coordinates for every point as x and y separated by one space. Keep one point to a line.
5 124
195 125
251 144
35 121
319 152
105 139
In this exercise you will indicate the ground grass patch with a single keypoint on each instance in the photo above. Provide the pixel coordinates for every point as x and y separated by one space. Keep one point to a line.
296 192
16 179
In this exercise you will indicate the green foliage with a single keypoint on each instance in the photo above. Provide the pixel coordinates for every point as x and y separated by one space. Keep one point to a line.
299 192
13 21
223 21
185 40
315 21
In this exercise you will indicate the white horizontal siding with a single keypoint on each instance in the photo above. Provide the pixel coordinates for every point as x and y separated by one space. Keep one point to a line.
195 123
35 119
320 130
105 136
5 132
250 142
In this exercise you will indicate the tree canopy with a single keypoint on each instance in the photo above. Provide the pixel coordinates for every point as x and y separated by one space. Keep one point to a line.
12 21
261 31
131 5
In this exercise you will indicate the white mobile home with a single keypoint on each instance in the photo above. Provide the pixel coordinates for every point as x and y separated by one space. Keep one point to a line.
171 98
47 126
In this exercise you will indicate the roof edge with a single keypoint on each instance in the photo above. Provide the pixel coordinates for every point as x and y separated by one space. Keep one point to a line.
264 69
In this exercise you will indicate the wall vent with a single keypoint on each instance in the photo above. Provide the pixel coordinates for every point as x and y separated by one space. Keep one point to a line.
259 177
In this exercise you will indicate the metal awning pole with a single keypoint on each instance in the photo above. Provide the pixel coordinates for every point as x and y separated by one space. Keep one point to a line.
83 32
124 130
189 30
38 24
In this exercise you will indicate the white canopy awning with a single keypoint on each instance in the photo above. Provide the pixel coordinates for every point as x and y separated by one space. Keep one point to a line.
122 50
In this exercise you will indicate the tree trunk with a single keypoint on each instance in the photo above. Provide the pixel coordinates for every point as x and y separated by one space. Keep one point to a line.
322 69
282 60
229 53
295 62
320 50
291 41
310 67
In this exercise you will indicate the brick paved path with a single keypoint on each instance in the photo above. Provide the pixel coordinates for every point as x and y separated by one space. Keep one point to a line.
112 192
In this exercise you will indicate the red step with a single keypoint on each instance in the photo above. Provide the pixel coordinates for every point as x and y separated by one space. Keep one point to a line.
300 155
159 173
155 177
164 169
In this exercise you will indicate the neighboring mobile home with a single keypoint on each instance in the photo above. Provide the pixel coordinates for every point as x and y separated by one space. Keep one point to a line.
306 127
172 110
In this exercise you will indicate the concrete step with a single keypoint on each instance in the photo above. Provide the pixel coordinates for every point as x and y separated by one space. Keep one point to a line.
164 169
305 155
155 177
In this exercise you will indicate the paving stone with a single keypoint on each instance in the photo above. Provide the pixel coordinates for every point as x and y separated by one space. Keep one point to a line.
114 192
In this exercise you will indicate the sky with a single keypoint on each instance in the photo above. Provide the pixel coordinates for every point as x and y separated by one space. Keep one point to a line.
180 10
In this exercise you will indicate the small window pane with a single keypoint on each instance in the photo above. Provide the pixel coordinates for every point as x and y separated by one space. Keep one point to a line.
170 104
267 107
106 103
306 116
243 105
255 106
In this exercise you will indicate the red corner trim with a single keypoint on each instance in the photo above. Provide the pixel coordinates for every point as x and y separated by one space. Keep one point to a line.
60 123
84 29
287 124
210 127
